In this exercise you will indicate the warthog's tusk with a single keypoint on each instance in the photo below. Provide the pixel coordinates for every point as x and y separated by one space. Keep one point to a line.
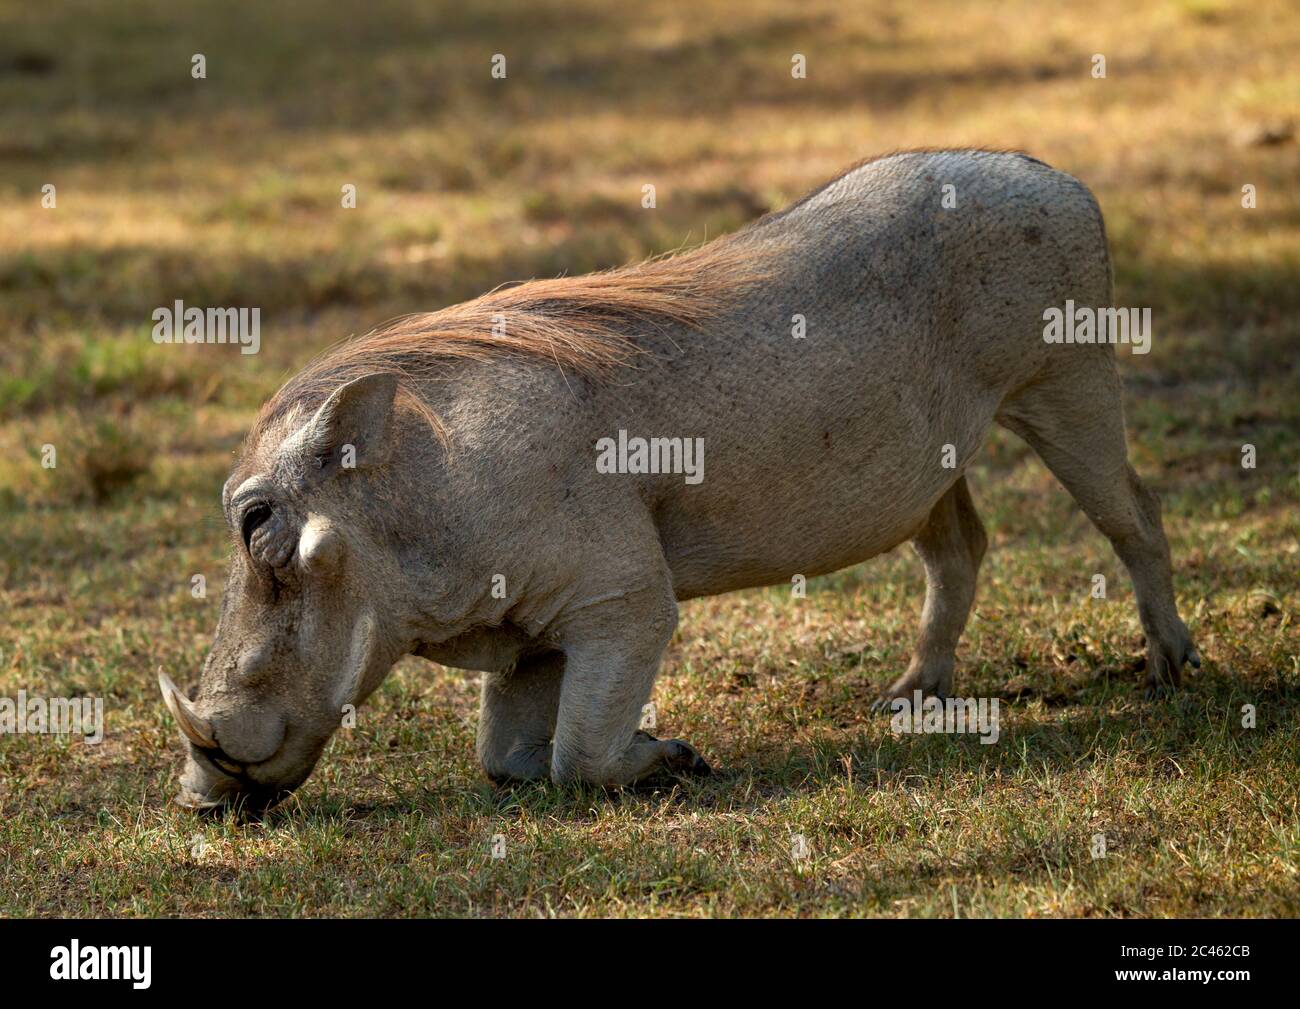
196 729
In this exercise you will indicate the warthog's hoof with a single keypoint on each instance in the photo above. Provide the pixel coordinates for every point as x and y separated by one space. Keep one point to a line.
1164 667
676 756
682 758
884 704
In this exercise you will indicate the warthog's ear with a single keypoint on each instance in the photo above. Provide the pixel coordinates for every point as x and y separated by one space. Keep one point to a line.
350 430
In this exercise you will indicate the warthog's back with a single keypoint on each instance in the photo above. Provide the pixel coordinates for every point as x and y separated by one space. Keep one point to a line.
920 281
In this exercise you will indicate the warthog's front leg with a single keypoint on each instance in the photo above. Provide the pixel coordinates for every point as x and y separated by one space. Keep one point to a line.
612 655
517 718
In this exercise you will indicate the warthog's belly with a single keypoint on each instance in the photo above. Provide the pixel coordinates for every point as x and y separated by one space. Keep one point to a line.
783 533
818 490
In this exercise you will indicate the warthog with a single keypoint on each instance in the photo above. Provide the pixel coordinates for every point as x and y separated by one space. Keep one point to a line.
433 487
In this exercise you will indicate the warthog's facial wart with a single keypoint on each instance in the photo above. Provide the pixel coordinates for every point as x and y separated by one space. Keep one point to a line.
300 636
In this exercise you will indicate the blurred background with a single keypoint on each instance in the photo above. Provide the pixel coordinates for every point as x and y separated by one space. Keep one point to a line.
225 191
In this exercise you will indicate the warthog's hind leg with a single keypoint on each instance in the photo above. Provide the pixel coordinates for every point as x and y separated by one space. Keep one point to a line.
517 718
1074 420
951 545
612 655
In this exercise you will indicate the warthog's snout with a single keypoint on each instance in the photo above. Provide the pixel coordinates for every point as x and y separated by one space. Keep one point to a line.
214 779
205 790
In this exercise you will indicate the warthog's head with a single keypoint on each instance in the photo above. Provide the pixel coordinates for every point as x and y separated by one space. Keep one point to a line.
312 614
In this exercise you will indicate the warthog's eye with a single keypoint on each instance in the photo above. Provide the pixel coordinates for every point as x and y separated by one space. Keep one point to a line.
253 518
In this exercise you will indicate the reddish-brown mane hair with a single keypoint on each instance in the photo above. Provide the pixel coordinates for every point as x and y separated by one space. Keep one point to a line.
586 324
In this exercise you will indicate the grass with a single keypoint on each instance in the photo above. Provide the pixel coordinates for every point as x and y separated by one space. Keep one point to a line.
225 191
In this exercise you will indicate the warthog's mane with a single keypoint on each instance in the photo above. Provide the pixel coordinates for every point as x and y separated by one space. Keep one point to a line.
587 324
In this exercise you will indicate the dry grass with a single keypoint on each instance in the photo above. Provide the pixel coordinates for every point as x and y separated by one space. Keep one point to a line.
226 192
